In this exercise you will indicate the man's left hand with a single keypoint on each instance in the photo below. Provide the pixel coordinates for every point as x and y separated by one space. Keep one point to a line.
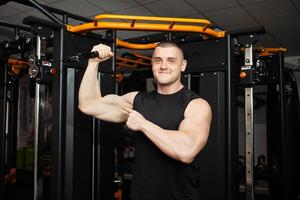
135 119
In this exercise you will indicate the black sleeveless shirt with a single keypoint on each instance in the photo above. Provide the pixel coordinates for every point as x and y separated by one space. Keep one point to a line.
156 175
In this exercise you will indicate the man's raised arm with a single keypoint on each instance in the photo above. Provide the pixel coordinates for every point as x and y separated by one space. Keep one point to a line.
91 102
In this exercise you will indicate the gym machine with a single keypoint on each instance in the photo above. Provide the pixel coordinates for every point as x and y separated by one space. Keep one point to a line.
218 158
283 130
68 135
216 70
81 170
265 66
247 39
10 71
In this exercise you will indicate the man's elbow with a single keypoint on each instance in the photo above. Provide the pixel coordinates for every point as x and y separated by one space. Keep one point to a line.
187 160
186 157
189 155
81 108
84 108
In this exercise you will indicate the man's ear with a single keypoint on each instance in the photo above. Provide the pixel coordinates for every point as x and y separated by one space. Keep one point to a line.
183 65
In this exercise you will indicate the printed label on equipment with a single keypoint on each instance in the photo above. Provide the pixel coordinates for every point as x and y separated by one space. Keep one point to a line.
246 67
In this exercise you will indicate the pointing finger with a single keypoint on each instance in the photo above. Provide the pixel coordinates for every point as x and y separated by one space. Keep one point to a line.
127 109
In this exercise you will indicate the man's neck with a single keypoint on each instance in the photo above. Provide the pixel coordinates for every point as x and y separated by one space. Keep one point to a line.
169 89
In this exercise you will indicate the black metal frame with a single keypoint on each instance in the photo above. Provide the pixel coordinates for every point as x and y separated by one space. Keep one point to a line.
282 135
218 158
72 130
48 11
9 113
65 114
280 142
3 111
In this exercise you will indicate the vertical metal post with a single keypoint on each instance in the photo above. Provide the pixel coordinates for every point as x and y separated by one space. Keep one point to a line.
232 187
249 142
69 145
285 162
189 81
114 58
249 131
61 128
3 110
39 132
69 157
58 118
70 134
36 123
169 36
95 149
104 151
8 95
17 32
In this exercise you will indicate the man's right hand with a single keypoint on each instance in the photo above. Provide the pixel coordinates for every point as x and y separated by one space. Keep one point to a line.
104 52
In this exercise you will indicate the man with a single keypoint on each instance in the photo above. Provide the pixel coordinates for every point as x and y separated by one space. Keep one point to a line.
172 125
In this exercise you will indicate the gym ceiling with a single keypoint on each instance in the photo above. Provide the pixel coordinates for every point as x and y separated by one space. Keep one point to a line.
281 18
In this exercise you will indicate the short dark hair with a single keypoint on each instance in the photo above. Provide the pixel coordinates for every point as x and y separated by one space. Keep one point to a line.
170 44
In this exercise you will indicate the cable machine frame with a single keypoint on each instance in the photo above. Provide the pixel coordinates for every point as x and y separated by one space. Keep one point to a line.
62 99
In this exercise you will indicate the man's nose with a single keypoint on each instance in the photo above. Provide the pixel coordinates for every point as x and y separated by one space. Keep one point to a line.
163 64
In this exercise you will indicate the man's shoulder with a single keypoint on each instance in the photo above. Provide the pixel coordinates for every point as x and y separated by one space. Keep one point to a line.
129 97
198 105
147 93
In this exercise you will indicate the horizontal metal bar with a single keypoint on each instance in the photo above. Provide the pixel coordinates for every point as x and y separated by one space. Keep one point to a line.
23 28
57 11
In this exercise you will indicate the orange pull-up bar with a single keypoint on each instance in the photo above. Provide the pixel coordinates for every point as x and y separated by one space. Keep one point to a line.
17 65
268 51
133 63
149 18
136 46
169 24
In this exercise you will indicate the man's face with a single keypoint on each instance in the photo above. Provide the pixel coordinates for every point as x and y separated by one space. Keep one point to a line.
167 65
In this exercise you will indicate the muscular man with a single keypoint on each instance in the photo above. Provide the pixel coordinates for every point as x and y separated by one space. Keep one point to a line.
172 125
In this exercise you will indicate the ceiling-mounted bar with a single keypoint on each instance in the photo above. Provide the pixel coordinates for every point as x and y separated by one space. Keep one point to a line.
46 12
56 11
14 26
249 31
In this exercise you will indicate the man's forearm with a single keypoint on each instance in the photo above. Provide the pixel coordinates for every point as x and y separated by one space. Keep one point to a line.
90 87
174 143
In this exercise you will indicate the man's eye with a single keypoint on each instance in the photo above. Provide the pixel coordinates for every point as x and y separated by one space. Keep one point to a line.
171 60
156 60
